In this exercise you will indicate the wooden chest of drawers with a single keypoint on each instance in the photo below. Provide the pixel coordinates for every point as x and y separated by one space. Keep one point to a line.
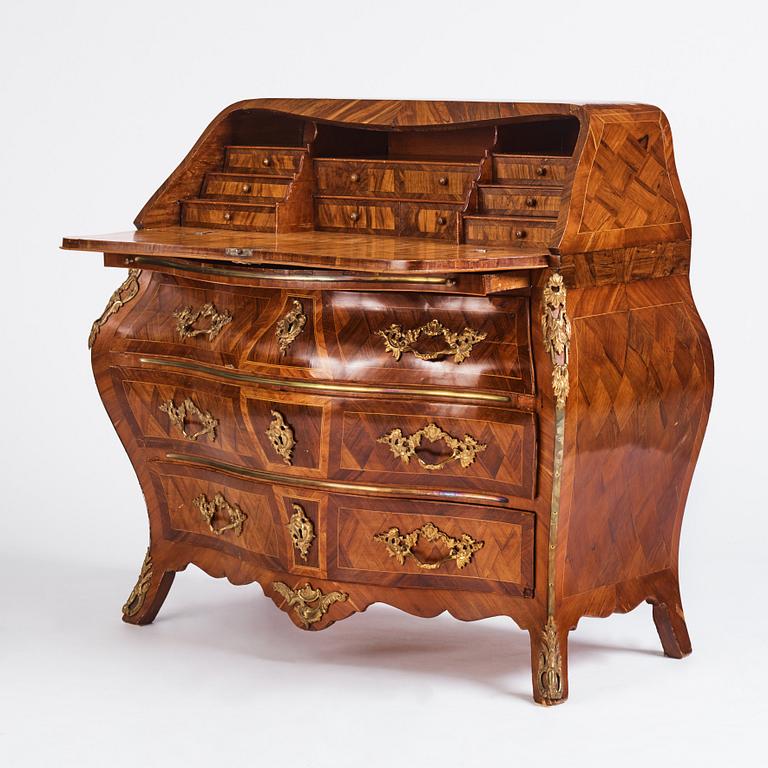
442 356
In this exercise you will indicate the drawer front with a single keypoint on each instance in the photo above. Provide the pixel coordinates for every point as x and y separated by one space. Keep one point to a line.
525 168
504 231
430 545
355 215
284 433
436 445
244 217
264 159
243 186
428 221
213 510
354 178
518 201
436 184
429 341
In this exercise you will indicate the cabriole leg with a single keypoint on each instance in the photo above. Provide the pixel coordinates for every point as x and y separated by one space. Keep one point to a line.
149 594
669 619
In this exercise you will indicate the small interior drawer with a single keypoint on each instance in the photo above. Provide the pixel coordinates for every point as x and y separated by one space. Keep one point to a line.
353 178
355 215
259 218
244 186
264 159
539 169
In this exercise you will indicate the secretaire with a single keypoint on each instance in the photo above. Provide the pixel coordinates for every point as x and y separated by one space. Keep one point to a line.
438 355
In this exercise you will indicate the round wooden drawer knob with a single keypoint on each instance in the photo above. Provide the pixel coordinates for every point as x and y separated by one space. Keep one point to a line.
266 162
355 216
227 216
541 171
530 202
355 177
441 220
246 188
443 181
520 234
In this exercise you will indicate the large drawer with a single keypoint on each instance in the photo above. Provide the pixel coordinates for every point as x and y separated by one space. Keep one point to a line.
353 539
426 341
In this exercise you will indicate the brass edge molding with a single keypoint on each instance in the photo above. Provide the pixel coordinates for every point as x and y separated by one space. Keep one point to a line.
556 328
305 482
139 592
293 278
219 505
186 319
178 416
400 546
124 293
290 326
281 437
308 603
321 387
404 447
458 344
301 530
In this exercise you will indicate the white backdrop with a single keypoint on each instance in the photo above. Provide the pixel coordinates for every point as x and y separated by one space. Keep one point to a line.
99 102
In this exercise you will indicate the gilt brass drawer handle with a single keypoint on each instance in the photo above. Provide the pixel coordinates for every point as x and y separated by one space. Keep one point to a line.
397 341
302 531
309 604
219 507
290 326
400 546
281 437
186 319
180 415
404 446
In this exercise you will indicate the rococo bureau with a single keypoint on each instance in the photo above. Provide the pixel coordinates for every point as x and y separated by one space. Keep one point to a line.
438 355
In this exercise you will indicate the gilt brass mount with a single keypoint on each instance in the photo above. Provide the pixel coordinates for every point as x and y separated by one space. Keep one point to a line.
302 531
459 345
281 437
309 604
463 450
556 328
290 326
179 414
400 546
139 592
218 507
186 319
124 293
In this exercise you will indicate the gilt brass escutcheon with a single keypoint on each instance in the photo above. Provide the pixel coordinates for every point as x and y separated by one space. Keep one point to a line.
302 531
186 319
400 546
463 450
459 345
281 437
219 506
179 416
290 326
